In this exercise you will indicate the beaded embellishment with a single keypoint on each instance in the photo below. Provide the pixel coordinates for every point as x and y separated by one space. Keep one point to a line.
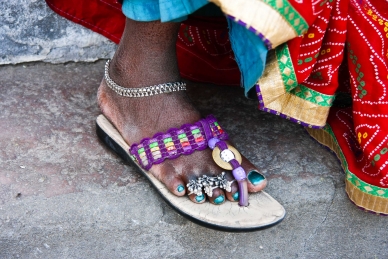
184 141
176 142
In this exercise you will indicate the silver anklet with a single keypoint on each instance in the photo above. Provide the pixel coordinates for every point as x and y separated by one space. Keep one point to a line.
144 91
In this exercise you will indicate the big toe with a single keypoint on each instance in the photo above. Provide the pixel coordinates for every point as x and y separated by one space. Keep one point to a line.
256 180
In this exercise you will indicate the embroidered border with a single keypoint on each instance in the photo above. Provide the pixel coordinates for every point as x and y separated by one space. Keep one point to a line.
286 67
265 19
282 115
367 196
290 14
290 81
274 97
365 187
313 96
361 185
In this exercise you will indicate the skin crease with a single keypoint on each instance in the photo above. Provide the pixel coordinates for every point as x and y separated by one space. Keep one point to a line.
146 56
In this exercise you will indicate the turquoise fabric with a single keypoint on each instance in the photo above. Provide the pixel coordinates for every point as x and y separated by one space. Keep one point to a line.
250 53
249 50
163 10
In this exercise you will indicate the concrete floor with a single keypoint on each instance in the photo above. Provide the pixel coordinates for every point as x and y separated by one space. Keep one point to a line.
64 195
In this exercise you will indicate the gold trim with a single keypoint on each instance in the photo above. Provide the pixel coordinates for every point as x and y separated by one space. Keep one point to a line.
275 97
324 138
360 198
365 200
260 16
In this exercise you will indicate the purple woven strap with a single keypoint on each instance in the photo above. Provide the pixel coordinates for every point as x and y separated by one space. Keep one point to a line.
176 142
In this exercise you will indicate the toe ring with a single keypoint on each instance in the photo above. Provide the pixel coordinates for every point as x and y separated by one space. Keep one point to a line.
209 183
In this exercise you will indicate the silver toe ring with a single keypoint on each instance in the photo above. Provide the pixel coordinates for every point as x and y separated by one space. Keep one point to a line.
209 183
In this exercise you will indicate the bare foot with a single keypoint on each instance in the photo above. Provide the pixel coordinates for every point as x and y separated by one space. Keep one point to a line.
146 56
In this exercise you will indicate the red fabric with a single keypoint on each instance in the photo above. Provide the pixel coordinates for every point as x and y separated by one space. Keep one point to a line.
318 54
204 53
358 29
308 9
102 16
367 36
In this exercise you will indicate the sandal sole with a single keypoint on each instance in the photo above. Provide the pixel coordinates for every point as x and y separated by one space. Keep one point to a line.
263 210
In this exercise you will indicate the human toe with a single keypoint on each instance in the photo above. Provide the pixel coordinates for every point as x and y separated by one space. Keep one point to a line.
232 194
171 179
197 198
218 197
256 180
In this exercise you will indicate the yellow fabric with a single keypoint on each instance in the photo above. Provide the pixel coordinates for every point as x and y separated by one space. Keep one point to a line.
276 98
260 16
365 200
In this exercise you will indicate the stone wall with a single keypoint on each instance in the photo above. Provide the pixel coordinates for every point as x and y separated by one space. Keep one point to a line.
31 31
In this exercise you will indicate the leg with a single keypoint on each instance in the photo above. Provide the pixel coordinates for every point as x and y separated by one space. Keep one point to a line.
146 56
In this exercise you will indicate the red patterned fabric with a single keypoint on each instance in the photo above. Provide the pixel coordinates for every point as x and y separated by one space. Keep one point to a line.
358 134
363 131
356 32
318 54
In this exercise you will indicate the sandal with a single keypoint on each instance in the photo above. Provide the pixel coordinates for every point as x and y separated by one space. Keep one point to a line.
258 211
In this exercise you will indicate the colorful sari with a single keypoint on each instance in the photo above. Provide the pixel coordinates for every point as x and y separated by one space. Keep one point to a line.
322 53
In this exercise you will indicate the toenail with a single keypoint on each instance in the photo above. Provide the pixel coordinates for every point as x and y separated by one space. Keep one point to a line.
255 177
180 188
200 198
220 199
235 196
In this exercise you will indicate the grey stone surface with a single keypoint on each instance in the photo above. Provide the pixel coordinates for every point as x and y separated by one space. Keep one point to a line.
31 31
64 195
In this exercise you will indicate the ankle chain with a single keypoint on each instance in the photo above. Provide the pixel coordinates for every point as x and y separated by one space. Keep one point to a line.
144 91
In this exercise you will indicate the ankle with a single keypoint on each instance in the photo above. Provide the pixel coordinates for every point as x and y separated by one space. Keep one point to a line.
137 73
143 91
